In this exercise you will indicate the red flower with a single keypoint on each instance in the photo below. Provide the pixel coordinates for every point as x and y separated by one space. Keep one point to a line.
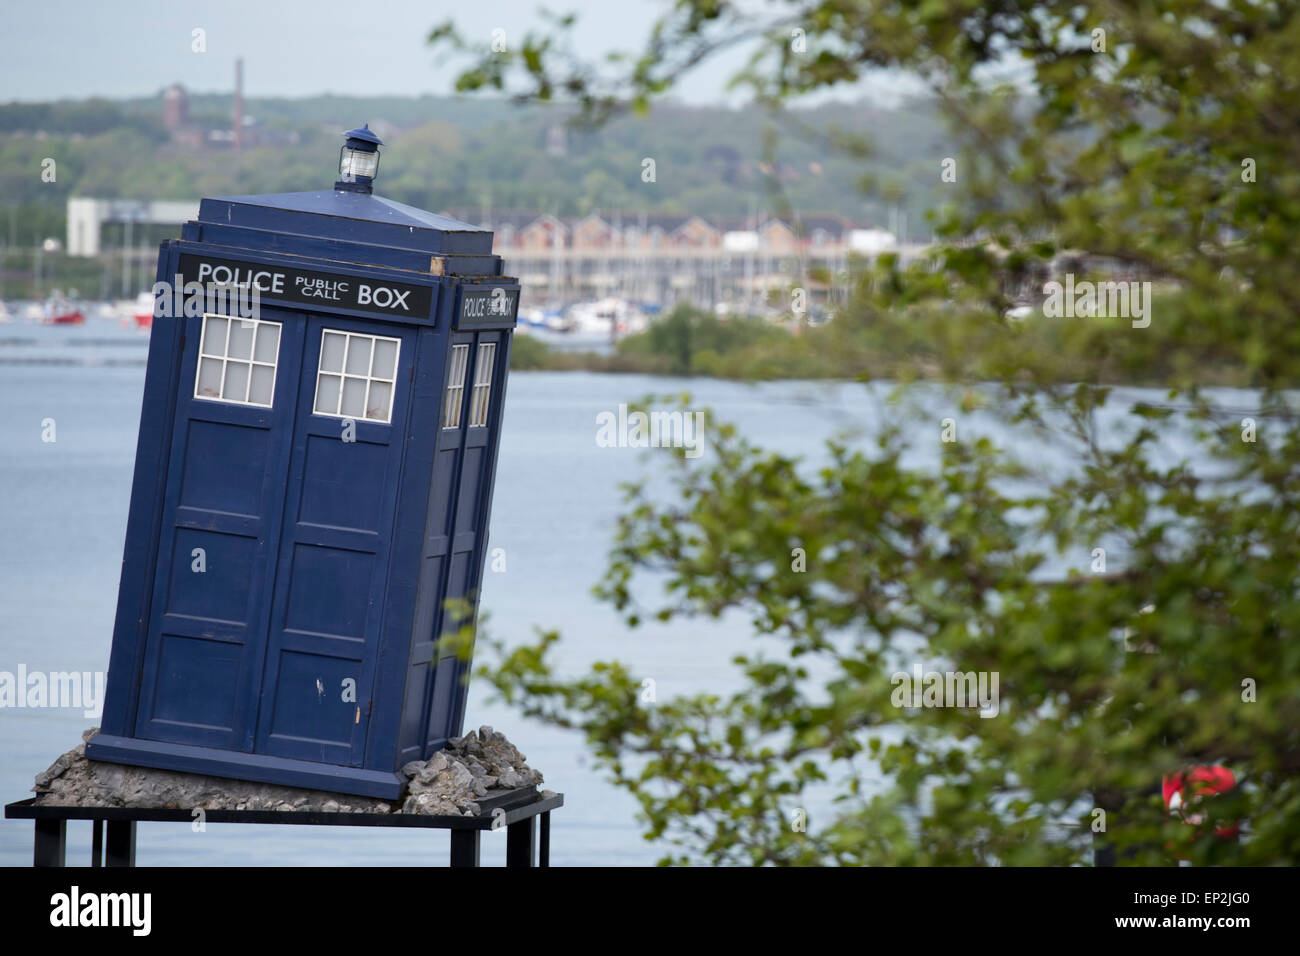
1184 790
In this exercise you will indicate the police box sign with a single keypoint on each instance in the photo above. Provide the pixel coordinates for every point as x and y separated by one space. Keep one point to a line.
487 308
306 287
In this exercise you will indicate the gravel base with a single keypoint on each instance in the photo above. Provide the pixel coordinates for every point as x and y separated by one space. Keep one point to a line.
449 783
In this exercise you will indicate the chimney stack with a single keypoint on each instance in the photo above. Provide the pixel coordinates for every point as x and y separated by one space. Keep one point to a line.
239 104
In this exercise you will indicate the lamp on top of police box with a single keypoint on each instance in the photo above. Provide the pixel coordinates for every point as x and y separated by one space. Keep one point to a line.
359 160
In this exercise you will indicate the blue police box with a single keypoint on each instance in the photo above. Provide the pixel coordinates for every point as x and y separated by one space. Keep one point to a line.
312 488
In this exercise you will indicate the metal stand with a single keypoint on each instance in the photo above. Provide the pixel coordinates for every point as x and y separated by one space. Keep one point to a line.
516 810
521 842
465 847
51 842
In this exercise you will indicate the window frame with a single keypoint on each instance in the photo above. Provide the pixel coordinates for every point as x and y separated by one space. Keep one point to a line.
480 408
225 358
369 378
458 361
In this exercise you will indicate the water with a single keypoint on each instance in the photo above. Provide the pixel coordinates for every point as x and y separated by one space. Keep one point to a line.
63 521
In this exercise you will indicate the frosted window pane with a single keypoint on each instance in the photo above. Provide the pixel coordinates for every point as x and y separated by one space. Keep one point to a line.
331 353
451 403
358 356
214 335
354 397
385 359
268 341
478 406
327 394
452 418
236 388
210 378
241 339
259 393
381 397
483 373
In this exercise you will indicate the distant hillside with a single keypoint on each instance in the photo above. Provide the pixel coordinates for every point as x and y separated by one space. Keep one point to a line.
447 152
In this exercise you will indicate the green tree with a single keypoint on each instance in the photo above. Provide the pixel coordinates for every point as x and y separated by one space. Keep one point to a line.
1158 134
690 341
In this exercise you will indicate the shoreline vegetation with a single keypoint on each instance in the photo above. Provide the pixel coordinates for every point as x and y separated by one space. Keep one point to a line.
934 347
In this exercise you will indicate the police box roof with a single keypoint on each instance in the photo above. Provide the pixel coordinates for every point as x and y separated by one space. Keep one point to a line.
356 217
346 226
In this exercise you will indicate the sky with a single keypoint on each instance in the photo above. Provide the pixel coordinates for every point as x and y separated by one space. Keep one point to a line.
73 49
56 49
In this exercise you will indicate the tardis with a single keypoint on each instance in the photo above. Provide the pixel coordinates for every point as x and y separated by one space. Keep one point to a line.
312 487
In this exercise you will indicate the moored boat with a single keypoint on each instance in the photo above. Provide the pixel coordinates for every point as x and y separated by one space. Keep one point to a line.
60 311
142 313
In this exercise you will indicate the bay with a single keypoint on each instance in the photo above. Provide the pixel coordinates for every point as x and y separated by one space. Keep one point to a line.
63 518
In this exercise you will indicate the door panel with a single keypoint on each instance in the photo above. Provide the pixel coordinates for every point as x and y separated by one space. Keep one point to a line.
332 565
221 513
439 560
463 454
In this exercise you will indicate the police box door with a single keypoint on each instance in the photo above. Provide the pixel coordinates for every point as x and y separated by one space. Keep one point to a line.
327 609
274 532
466 452
219 529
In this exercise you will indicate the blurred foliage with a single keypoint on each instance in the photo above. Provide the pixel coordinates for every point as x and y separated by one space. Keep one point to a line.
1133 148
441 153
689 341
465 154
530 354
1098 699
872 340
